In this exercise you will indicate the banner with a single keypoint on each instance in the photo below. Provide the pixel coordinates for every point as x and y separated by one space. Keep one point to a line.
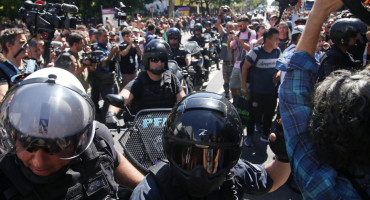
184 11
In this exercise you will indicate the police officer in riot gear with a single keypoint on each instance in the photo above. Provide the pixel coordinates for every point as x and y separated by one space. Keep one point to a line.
179 53
203 142
197 37
54 149
208 28
156 87
343 33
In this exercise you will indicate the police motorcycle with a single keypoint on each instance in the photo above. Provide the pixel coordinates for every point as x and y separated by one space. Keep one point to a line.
212 49
196 68
182 75
141 139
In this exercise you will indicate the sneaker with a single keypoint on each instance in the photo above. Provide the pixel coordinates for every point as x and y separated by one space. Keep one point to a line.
264 138
249 141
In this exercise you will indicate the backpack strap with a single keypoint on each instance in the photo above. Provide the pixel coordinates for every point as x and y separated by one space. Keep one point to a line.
8 72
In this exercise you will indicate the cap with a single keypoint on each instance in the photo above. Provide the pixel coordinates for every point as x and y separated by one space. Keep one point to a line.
298 29
111 33
92 31
135 30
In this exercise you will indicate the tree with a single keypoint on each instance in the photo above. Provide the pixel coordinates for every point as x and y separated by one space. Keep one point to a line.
9 8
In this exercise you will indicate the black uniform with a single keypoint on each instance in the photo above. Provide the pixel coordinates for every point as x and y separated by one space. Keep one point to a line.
336 59
89 176
244 178
153 94
179 54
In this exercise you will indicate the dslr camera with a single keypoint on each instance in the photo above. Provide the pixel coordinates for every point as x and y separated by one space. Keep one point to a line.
225 9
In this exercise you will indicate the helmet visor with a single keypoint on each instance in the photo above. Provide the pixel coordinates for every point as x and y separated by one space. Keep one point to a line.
213 159
46 116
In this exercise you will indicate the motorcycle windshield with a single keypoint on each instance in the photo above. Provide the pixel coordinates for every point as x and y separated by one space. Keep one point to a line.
173 66
192 47
207 36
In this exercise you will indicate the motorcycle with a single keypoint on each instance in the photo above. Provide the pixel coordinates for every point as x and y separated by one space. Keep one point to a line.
141 141
196 68
212 49
182 75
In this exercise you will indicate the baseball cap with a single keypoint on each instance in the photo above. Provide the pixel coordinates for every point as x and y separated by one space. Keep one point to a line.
92 31
298 29
135 30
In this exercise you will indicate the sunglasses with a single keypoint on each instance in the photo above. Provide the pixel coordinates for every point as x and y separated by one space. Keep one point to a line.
173 38
156 60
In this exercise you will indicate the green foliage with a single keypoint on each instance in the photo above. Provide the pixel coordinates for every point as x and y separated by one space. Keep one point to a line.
9 9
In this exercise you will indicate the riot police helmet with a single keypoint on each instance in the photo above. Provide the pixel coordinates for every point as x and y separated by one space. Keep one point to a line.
174 33
198 27
156 48
208 24
343 29
48 110
202 141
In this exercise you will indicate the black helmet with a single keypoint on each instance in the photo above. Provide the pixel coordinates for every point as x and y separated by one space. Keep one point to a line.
208 23
198 27
174 32
48 110
343 29
227 19
202 141
156 48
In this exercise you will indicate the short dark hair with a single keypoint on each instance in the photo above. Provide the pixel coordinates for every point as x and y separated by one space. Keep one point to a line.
100 31
64 61
339 125
243 18
8 36
126 31
74 38
269 33
151 27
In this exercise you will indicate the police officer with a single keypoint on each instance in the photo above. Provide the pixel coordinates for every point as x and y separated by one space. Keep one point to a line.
208 28
54 149
343 33
104 77
197 37
179 53
203 142
156 87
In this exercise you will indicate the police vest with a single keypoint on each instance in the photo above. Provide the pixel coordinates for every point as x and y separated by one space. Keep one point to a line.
163 176
91 178
161 95
179 55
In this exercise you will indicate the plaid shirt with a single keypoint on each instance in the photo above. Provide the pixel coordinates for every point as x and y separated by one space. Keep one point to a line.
316 179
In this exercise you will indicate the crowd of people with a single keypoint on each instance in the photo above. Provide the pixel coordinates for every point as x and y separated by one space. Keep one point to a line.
308 71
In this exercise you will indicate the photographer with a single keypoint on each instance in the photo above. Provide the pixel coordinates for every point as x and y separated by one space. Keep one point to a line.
11 40
76 42
129 49
104 77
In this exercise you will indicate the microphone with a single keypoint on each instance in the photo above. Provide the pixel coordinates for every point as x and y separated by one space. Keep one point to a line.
69 8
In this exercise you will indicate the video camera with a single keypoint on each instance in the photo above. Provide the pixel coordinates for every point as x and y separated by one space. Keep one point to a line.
120 13
93 56
286 3
46 18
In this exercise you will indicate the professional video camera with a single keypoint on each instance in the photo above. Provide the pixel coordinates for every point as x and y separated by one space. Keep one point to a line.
46 18
120 12
93 56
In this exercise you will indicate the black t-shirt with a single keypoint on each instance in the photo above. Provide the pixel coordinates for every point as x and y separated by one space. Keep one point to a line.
127 63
